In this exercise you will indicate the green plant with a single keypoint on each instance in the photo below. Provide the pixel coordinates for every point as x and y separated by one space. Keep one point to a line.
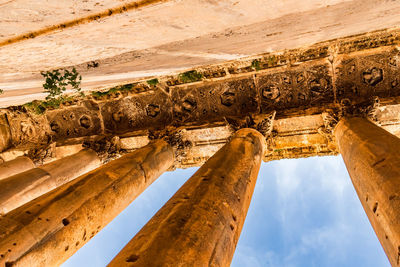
190 76
272 61
39 106
125 87
153 81
256 64
56 82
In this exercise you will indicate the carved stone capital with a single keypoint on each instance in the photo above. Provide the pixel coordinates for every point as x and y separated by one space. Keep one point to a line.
43 154
262 123
331 117
175 139
365 109
107 148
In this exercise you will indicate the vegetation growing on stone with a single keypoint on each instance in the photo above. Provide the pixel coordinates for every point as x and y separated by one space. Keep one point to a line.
126 87
272 61
153 81
256 64
190 76
57 82
39 106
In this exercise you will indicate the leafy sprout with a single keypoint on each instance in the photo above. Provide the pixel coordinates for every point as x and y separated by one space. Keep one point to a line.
190 76
57 82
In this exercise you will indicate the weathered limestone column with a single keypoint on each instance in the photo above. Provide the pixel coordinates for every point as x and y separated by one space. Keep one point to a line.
15 166
23 187
49 229
372 158
201 224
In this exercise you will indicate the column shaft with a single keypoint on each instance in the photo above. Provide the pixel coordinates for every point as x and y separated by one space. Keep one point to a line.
49 229
201 224
23 187
15 166
372 158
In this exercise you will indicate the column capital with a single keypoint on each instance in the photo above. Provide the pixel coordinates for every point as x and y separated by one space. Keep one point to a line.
347 109
263 123
106 147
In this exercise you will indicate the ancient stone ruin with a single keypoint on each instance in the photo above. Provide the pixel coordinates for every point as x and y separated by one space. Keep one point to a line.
69 168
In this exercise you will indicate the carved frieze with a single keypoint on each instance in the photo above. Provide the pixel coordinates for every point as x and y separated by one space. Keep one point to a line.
362 76
145 111
211 102
75 121
303 86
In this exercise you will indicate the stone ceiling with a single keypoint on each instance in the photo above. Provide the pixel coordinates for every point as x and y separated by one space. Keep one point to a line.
165 37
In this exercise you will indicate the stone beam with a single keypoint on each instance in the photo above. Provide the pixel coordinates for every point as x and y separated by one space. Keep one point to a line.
298 83
201 224
293 137
49 229
372 158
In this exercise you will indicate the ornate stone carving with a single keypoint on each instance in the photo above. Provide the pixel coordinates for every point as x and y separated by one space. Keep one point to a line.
152 110
175 139
75 121
262 123
331 117
42 155
366 109
107 148
228 99
373 76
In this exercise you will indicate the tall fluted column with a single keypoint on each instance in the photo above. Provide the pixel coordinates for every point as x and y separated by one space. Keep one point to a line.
49 229
23 187
15 166
201 224
372 158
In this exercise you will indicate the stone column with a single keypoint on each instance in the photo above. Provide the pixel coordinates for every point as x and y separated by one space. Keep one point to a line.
372 158
23 187
15 166
49 229
201 224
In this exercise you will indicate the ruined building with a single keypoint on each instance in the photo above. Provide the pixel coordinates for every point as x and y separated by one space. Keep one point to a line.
213 91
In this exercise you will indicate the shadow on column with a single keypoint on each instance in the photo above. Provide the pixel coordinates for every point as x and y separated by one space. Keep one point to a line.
49 229
372 158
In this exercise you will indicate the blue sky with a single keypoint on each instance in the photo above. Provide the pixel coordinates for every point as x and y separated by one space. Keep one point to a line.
304 212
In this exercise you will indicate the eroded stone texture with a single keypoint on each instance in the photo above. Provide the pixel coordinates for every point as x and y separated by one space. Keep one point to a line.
76 121
149 109
5 134
307 85
12 167
21 188
201 224
212 101
28 129
49 229
369 74
297 84
372 158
